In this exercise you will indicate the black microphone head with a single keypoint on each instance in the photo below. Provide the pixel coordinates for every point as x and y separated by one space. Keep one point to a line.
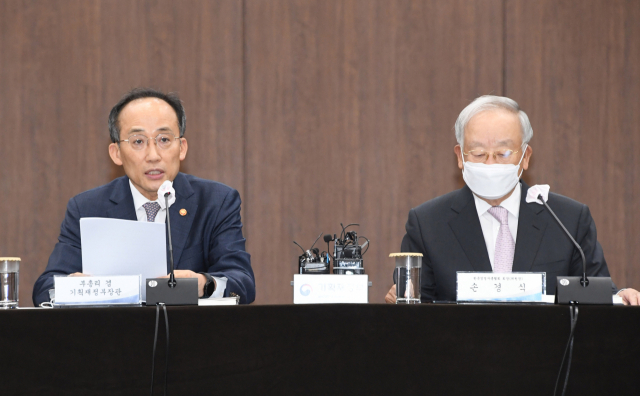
328 238
167 194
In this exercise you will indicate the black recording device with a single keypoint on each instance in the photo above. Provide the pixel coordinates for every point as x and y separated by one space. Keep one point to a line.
311 261
347 252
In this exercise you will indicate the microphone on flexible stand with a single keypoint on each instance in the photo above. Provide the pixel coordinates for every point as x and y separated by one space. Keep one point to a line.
172 277
581 290
172 292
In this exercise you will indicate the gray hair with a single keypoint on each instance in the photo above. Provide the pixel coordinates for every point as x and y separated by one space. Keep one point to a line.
491 102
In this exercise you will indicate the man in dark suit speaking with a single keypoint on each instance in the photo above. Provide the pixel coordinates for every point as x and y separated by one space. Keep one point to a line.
147 133
492 224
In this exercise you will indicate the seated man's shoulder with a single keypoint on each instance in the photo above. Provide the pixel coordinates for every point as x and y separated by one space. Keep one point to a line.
100 193
562 200
209 187
561 204
441 203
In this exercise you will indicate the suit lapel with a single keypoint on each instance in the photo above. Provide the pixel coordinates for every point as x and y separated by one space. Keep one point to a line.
531 229
466 227
122 199
181 225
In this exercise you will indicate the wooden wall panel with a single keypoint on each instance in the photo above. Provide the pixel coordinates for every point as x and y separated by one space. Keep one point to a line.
319 111
64 63
574 66
350 107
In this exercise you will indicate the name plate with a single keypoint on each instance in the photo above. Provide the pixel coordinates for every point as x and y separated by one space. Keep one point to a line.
504 287
330 289
97 290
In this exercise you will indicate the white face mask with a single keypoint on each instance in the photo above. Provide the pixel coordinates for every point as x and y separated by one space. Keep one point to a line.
491 181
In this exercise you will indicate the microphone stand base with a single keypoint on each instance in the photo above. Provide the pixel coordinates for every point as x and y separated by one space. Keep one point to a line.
599 290
185 291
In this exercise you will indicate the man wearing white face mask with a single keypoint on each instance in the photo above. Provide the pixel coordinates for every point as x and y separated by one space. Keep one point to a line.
488 225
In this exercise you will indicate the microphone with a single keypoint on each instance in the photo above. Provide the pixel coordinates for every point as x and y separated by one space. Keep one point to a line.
172 277
584 281
172 292
571 289
328 238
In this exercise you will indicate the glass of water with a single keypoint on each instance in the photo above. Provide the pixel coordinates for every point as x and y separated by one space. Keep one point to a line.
408 267
9 281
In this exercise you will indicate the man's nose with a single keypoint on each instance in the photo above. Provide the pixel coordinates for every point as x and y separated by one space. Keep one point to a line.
153 152
491 159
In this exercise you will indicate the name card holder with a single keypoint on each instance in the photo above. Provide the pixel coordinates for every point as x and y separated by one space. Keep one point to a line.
330 289
501 287
97 290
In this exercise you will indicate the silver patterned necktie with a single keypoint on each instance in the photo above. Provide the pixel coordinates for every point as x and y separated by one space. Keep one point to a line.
505 245
152 209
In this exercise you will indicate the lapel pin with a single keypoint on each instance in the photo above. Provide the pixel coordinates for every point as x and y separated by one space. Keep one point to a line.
183 212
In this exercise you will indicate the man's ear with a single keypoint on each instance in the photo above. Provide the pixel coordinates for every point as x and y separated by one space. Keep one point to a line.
114 153
458 152
527 156
183 148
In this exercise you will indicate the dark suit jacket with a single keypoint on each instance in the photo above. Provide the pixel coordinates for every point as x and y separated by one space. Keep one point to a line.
447 231
208 239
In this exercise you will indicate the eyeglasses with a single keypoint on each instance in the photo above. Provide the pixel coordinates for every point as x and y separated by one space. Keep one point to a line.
500 156
140 142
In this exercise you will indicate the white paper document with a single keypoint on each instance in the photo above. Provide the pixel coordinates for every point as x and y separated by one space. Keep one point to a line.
123 247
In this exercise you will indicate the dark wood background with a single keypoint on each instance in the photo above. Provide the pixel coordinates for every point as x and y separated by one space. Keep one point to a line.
319 112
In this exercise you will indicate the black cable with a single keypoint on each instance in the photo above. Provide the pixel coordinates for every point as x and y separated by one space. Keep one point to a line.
303 251
314 242
345 228
155 341
566 378
574 320
573 311
166 363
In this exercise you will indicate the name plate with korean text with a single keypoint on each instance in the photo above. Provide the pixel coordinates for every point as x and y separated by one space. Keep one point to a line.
330 289
501 287
97 290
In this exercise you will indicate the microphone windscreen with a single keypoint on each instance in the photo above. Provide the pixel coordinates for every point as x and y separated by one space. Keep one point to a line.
328 238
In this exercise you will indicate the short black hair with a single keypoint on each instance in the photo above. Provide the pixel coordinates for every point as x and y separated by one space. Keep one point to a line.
171 98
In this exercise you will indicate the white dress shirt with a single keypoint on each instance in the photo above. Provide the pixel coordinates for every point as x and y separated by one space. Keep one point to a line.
490 225
141 214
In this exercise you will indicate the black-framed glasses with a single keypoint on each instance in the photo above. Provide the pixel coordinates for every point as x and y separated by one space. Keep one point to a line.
140 142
